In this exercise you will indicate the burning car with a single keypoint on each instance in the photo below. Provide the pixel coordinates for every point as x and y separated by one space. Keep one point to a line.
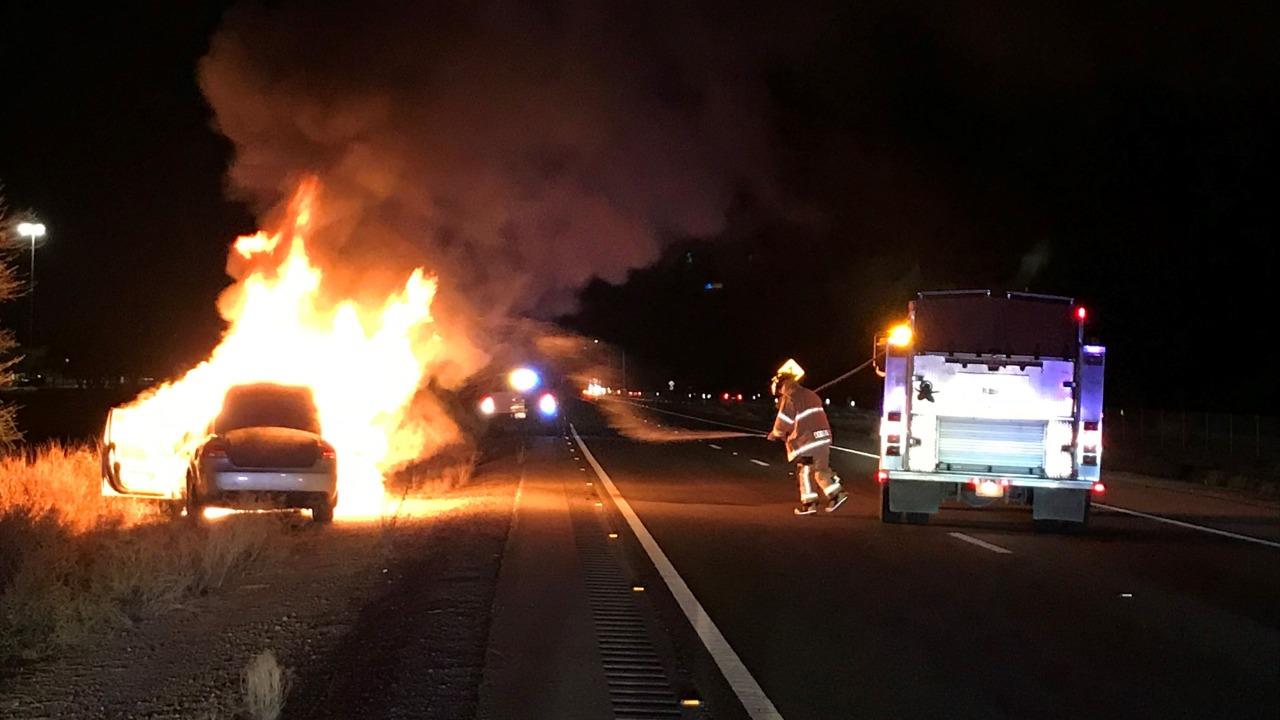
525 398
264 449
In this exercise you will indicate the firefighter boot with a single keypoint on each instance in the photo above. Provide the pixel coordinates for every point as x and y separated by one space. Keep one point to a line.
835 494
808 495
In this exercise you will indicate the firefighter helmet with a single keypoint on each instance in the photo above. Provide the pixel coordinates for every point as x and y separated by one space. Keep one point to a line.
790 369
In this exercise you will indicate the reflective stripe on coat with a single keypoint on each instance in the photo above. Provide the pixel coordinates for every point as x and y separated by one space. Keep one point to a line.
801 421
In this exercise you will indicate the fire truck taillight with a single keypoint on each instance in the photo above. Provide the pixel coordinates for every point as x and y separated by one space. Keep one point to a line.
1081 314
882 477
1099 488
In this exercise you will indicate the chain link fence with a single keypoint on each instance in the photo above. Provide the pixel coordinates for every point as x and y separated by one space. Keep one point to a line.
1213 448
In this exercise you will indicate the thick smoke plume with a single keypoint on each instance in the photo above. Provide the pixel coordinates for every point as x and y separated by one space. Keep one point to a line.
519 150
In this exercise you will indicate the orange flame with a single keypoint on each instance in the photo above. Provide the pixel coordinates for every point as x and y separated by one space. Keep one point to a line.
363 364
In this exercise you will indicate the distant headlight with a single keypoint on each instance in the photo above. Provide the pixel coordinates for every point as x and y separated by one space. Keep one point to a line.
487 406
523 379
547 404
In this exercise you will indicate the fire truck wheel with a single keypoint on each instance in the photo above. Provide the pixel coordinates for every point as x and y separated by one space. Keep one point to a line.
887 515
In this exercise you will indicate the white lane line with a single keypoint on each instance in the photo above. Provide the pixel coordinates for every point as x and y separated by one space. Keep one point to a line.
1190 526
761 463
873 456
743 684
713 446
981 543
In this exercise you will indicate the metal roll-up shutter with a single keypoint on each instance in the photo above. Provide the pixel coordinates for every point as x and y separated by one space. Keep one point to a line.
1010 445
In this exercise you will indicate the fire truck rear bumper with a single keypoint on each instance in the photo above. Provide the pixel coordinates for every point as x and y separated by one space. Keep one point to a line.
1007 480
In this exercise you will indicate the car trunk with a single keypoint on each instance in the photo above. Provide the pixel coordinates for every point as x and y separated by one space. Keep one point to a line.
272 447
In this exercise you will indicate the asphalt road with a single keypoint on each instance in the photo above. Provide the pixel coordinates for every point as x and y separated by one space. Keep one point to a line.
974 615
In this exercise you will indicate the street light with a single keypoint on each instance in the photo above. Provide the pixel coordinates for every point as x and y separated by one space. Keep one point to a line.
33 231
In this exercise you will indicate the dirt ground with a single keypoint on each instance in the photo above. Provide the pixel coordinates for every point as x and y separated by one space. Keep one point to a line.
332 603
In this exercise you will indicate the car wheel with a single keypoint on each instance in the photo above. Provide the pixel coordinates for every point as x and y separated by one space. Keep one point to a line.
173 509
192 504
322 512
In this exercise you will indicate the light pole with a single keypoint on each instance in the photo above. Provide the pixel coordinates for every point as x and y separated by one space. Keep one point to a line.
33 231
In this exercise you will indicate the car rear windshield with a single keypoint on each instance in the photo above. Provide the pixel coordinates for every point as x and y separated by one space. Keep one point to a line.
268 406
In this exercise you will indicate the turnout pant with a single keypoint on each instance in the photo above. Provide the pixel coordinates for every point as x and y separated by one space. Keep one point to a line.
814 474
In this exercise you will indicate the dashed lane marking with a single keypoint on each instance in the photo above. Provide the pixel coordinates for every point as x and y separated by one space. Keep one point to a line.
1113 508
753 431
713 446
741 681
981 543
761 463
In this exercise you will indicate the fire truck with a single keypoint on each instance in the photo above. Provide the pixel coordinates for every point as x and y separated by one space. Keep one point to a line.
991 398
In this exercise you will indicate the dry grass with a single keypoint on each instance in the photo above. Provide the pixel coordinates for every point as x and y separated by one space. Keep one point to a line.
75 562
265 686
448 469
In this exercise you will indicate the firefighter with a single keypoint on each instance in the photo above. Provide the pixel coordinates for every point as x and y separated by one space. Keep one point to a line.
802 424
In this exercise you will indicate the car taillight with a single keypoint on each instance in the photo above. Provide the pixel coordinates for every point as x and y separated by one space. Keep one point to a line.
215 449
327 452
488 406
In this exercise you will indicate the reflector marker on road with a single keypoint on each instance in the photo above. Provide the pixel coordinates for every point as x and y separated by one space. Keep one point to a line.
740 680
640 683
1189 526
981 543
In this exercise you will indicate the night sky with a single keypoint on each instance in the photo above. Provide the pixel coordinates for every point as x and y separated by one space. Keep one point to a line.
1119 155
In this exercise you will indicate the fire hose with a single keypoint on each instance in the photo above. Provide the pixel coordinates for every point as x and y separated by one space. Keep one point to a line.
852 372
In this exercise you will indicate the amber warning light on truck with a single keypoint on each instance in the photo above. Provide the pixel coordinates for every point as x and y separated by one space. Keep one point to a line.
900 335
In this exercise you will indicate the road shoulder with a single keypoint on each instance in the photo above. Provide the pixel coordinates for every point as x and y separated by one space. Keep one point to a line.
542 660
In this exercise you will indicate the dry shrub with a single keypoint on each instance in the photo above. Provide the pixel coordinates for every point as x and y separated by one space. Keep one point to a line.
75 562
448 469
265 687
64 480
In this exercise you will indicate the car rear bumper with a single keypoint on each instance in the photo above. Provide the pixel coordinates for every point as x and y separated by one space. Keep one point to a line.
272 481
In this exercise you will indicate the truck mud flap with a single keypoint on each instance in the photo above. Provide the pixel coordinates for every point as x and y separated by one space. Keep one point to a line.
917 497
1070 505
